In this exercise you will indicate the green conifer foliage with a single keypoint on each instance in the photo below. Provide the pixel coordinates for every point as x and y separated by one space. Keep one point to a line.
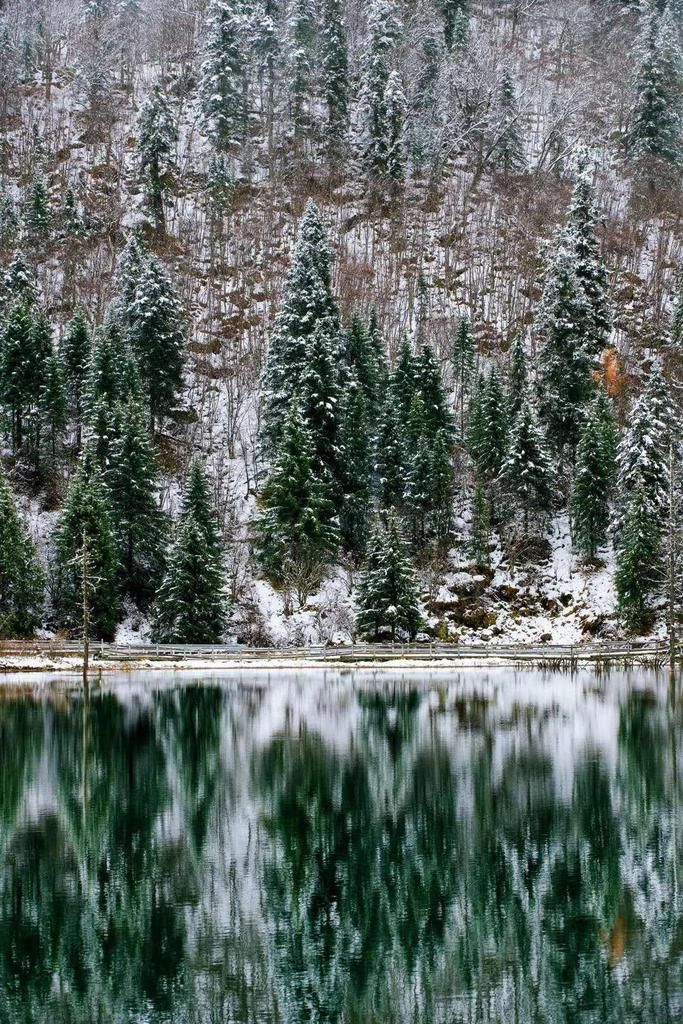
75 352
463 359
656 119
191 603
156 151
335 67
640 571
221 87
21 577
527 473
388 593
593 480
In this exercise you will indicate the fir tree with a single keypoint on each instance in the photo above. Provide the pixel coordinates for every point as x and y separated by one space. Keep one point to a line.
395 105
508 147
384 29
335 67
294 532
320 403
308 305
40 354
363 363
419 491
88 512
37 215
75 352
157 338
480 531
156 150
133 483
53 408
391 460
518 378
527 473
221 88
588 264
72 225
405 379
592 485
640 572
388 595
21 577
302 35
191 603
105 376
9 221
19 281
357 446
656 121
220 187
463 359
441 488
16 369
454 13
129 267
488 432
430 388
565 381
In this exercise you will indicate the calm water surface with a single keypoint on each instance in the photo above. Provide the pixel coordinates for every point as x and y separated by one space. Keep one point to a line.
481 847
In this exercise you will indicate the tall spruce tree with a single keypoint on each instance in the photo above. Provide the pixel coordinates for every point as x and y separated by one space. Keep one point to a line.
133 482
454 13
321 406
221 84
527 473
383 32
302 31
53 411
391 458
508 144
21 576
640 570
157 338
308 305
488 429
295 535
388 595
75 352
107 359
88 513
589 265
593 482
156 140
191 602
335 68
463 357
17 370
518 378
656 119
429 386
357 446
395 106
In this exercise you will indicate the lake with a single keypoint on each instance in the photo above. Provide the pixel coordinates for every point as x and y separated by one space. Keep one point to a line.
476 846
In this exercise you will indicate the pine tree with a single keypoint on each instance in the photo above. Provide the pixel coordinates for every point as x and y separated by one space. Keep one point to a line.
21 577
320 404
488 432
335 67
37 215
19 281
518 379
463 359
441 486
643 452
563 323
71 222
157 338
53 409
656 121
157 136
295 535
103 429
640 571
592 485
221 87
302 24
395 104
191 603
391 458
357 446
383 31
129 267
362 362
418 496
9 221
430 388
454 12
105 375
16 369
480 531
388 595
308 305
87 512
508 148
75 352
404 382
39 356
588 264
220 187
527 473
133 483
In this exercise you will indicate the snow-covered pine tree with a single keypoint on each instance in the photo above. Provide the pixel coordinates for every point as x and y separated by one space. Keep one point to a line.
37 213
391 456
395 103
156 138
132 478
191 602
592 484
518 377
383 32
643 452
404 380
430 388
308 304
335 69
296 539
527 473
16 370
640 570
418 491
21 577
105 376
9 221
19 281
463 358
656 119
357 446
441 488
455 14
489 426
566 361
320 403
75 352
302 32
87 511
53 412
129 267
388 593
362 362
508 143
39 355
588 263
221 84
157 338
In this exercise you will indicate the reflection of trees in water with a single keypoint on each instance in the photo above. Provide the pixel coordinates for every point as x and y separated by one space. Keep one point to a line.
394 880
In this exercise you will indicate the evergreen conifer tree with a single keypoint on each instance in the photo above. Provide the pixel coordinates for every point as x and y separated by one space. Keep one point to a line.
335 66
75 352
37 215
391 459
308 305
362 362
383 30
640 572
295 535
430 388
320 404
16 369
357 446
488 431
87 511
656 121
463 359
589 266
221 87
129 267
156 150
441 488
592 485
19 281
388 594
21 577
404 382
395 105
9 221
454 13
191 602
527 472
157 338
302 28
53 409
508 148
105 375
133 483
518 380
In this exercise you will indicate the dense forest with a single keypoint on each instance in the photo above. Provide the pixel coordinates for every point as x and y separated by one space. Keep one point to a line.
335 318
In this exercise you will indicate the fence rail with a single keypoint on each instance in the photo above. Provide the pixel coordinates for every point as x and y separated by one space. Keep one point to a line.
605 651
